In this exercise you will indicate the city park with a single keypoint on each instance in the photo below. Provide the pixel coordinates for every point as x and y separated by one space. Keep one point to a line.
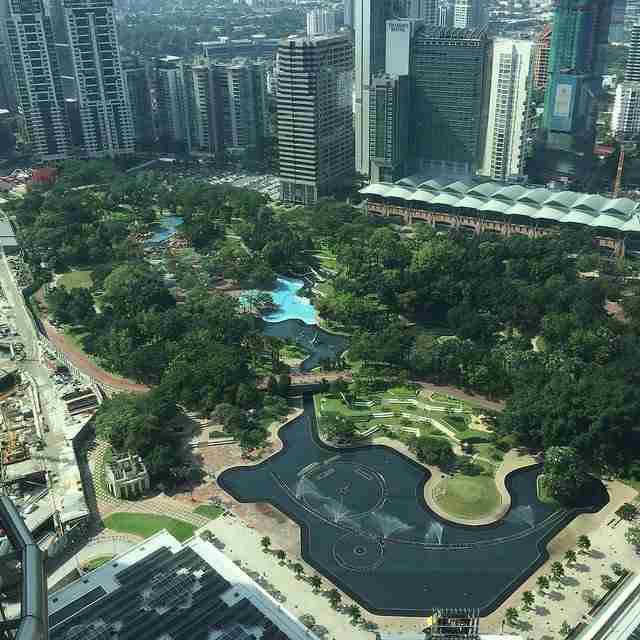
390 468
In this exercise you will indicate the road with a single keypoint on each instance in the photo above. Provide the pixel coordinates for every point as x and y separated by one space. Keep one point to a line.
57 457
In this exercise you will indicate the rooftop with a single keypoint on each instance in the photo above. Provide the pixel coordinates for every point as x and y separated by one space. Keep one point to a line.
592 210
161 589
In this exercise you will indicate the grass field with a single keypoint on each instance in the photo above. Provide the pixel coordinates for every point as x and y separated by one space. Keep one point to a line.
468 497
96 562
145 525
209 511
76 279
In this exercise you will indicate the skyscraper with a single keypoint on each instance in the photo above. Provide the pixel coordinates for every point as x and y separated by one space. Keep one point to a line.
207 106
449 77
616 30
34 67
315 120
389 127
507 124
139 90
8 98
242 90
625 118
321 20
103 100
541 58
469 14
576 62
369 23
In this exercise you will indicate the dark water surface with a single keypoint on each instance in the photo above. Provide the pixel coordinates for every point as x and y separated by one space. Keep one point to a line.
367 528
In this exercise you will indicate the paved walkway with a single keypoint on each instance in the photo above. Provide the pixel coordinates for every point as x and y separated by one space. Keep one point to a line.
161 505
565 602
88 366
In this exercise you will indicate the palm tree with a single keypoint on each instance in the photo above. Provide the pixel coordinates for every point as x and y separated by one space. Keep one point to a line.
316 582
335 598
354 613
281 555
266 543
511 616
298 569
527 600
570 557
543 584
584 544
557 571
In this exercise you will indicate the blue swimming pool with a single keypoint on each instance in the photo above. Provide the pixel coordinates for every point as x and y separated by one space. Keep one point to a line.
291 306
165 229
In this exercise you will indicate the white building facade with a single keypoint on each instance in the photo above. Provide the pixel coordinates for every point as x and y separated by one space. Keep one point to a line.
34 66
507 127
103 99
320 21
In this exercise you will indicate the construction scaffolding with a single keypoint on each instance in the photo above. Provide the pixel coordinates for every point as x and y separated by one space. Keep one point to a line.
454 624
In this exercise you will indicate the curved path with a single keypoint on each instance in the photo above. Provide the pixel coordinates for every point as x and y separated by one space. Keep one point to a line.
511 462
87 366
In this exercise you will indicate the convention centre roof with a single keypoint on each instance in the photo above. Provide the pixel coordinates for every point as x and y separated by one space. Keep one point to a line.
621 214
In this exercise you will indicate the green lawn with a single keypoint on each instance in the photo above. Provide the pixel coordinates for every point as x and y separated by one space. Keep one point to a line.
96 562
209 511
145 525
468 497
80 279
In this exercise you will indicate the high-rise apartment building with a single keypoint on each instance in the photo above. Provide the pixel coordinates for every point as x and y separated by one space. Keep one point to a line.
449 78
207 106
174 129
315 120
34 67
103 100
507 124
321 20
541 58
348 13
369 57
625 118
469 14
8 99
576 62
136 79
242 87
389 127
616 29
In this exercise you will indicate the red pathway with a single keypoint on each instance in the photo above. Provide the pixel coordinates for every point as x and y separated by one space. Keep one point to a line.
87 366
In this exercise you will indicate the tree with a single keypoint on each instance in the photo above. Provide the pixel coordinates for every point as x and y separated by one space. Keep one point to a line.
632 536
589 597
298 569
543 584
565 473
511 616
266 543
281 555
570 557
316 582
627 511
618 569
607 582
308 620
584 543
335 598
433 450
565 629
134 288
527 600
338 428
354 613
557 572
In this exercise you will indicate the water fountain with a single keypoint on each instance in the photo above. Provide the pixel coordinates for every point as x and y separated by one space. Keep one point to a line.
523 514
434 534
385 524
